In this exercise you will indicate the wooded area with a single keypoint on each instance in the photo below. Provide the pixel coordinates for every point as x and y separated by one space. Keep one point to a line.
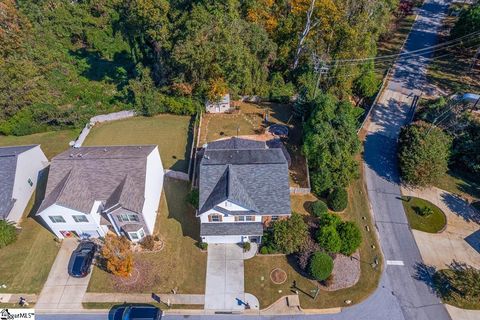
64 61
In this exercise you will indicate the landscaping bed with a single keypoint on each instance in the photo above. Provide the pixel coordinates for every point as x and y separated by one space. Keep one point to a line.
172 134
179 266
432 222
52 142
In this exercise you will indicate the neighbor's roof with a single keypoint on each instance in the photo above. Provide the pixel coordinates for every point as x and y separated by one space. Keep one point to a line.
256 179
231 229
8 167
114 175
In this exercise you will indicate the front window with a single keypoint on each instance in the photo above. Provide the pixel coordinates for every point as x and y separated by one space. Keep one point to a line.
57 219
80 218
133 235
274 218
142 233
128 218
249 218
215 218
30 182
137 235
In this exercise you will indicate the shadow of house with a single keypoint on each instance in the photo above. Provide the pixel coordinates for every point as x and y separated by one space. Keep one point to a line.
116 71
461 208
175 195
474 240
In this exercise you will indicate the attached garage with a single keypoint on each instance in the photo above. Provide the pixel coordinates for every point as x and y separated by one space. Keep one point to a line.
234 232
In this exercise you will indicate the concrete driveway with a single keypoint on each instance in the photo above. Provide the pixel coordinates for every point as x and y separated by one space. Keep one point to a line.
225 283
453 243
62 292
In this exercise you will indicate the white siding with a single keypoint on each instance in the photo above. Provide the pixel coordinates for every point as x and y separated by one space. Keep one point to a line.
222 239
29 165
153 189
70 224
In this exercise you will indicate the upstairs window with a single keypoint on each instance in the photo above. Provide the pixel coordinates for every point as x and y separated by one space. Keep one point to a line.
30 182
80 218
215 218
57 219
128 218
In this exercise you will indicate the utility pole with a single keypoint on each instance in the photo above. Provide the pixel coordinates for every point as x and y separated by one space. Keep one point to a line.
320 68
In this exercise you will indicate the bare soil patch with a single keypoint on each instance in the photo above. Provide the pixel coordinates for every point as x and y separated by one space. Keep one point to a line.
278 276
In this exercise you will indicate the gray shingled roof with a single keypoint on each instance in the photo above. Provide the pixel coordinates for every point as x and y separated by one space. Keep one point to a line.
256 179
236 143
80 176
231 229
8 167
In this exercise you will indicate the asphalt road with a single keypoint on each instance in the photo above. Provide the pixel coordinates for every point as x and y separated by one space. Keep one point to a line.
404 292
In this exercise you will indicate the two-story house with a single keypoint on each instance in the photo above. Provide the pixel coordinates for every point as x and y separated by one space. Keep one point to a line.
243 185
92 190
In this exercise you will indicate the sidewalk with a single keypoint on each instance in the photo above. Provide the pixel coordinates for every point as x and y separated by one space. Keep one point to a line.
144 298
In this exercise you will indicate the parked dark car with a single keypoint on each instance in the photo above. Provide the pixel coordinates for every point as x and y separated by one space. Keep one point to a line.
141 313
81 259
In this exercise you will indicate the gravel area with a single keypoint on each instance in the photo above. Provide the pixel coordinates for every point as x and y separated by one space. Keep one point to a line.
346 272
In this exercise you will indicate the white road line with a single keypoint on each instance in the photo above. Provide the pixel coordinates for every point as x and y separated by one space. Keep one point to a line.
395 263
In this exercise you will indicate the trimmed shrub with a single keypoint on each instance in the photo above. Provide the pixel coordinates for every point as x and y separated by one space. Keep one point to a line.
350 236
330 219
289 235
264 250
321 266
148 243
319 208
338 199
246 246
329 239
8 233
203 245
118 255
425 211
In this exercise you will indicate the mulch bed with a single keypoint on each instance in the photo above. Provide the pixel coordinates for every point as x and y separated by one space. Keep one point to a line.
346 272
278 276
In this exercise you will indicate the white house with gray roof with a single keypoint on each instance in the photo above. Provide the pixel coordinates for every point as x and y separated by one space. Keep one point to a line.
243 185
93 190
20 167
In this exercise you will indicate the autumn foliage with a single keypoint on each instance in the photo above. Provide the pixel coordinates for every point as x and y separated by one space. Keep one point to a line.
117 255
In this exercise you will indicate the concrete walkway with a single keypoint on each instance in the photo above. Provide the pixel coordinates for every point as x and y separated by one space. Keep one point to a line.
144 298
457 241
62 292
225 284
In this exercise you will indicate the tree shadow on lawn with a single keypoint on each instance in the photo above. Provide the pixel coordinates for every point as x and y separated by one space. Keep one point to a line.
175 195
183 165
425 274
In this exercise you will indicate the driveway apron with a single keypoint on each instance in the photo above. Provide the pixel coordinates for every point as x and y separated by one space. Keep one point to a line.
225 284
62 292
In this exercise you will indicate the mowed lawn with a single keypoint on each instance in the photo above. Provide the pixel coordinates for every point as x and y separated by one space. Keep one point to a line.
257 270
432 223
25 264
52 142
172 134
180 265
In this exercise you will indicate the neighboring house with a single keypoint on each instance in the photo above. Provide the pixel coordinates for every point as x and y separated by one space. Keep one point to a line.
91 190
243 185
220 106
19 170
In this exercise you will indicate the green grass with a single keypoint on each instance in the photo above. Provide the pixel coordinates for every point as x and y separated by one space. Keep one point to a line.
454 299
25 264
261 266
52 142
180 264
461 183
171 133
432 223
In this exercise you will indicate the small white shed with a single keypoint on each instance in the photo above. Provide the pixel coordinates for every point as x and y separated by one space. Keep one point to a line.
220 106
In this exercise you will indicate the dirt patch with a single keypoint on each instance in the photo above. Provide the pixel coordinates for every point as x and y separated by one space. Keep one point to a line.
345 274
278 276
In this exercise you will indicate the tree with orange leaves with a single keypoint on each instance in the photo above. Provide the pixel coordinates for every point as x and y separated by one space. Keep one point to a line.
118 255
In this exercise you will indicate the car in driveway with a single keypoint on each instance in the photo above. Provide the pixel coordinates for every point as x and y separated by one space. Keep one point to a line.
81 259
137 312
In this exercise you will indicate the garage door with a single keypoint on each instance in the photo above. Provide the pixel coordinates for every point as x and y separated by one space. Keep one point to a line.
223 239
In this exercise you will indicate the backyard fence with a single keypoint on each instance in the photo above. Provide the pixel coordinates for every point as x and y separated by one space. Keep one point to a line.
98 119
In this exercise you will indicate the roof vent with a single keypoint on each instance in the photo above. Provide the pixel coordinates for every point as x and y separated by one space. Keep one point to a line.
71 155
104 149
206 157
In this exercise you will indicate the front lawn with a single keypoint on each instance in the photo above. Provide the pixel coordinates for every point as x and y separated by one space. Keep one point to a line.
257 270
180 265
172 134
461 183
455 299
432 223
52 142
25 264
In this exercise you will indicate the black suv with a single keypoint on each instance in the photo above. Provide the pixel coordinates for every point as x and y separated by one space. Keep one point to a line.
81 259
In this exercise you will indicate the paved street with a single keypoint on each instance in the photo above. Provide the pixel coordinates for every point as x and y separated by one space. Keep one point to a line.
400 295
62 292
224 283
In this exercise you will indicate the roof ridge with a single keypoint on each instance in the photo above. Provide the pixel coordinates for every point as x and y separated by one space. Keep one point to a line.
232 178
